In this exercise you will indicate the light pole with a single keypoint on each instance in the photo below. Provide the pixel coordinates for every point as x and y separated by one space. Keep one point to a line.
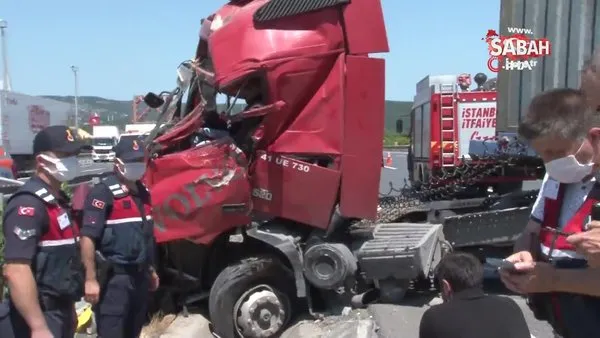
6 85
5 82
75 70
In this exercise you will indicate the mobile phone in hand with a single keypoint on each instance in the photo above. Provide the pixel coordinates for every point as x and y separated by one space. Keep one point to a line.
501 264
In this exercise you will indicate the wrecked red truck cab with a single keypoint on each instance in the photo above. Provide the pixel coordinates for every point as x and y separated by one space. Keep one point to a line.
256 210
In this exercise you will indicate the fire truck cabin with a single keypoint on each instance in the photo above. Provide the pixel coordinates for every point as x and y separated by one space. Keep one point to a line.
446 115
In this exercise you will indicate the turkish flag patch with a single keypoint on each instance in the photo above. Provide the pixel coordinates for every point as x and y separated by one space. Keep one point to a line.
98 204
26 211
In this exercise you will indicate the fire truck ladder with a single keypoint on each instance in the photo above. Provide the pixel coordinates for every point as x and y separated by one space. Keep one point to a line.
448 124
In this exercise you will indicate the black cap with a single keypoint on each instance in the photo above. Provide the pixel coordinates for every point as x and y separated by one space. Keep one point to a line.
58 139
130 149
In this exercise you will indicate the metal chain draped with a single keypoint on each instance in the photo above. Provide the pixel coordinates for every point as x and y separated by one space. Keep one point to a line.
451 182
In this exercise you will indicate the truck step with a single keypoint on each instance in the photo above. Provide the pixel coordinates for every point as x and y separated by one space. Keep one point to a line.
401 250
486 228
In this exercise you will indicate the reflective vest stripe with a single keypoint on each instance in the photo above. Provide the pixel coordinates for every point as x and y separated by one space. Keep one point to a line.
558 253
57 242
127 220
575 224
45 195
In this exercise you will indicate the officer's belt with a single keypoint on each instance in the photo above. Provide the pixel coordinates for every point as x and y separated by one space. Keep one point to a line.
50 303
128 269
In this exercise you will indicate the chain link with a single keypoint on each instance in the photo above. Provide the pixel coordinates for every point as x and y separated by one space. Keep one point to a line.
451 182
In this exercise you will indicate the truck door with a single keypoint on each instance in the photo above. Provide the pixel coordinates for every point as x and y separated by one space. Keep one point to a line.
409 157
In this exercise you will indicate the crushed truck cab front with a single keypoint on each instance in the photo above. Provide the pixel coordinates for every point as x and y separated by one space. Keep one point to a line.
254 209
310 136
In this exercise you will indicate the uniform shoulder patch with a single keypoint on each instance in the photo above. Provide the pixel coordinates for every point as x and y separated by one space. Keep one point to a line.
98 204
26 211
91 220
23 234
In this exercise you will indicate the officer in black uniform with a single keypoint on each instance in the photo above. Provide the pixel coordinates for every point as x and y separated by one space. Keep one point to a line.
43 265
118 245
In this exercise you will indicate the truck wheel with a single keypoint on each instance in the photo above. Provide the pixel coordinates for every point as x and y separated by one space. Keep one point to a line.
252 299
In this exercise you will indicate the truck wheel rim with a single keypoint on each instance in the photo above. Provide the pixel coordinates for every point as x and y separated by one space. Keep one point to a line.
261 312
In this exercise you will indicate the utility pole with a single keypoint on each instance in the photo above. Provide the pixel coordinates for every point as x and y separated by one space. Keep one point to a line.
6 85
76 97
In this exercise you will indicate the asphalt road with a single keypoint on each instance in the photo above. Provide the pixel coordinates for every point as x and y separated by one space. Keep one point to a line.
93 168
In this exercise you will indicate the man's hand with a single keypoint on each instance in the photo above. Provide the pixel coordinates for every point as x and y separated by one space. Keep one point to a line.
92 291
41 333
520 257
530 277
588 243
523 259
154 280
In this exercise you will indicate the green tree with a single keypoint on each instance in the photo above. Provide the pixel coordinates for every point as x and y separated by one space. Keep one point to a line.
394 140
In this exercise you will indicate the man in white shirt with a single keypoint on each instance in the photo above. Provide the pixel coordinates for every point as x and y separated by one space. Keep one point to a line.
549 267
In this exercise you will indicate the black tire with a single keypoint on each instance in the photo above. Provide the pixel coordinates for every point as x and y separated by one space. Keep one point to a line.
235 280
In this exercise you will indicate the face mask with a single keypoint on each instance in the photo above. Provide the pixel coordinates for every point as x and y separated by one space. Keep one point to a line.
568 169
133 171
62 169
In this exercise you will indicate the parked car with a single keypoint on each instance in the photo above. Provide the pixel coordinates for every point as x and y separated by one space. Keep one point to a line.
8 168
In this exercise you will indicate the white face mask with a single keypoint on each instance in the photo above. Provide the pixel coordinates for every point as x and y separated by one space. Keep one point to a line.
62 169
568 169
133 171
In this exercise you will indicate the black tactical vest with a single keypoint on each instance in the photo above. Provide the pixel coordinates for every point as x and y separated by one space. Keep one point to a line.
128 231
57 264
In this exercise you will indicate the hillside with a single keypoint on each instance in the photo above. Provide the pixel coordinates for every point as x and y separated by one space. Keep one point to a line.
397 110
119 112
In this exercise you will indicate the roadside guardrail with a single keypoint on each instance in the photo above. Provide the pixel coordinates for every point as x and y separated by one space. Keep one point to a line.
85 160
9 186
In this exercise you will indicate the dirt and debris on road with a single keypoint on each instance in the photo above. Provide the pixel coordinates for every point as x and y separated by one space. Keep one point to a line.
352 324
378 320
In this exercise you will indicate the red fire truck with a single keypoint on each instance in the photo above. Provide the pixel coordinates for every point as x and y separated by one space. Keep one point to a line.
445 117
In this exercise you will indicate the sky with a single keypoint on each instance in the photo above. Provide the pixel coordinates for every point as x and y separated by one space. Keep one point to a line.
129 47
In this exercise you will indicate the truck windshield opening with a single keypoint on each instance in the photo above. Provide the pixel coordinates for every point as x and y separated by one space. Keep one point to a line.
103 141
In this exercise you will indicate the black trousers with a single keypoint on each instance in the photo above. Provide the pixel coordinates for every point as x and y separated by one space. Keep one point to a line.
59 318
578 315
122 309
